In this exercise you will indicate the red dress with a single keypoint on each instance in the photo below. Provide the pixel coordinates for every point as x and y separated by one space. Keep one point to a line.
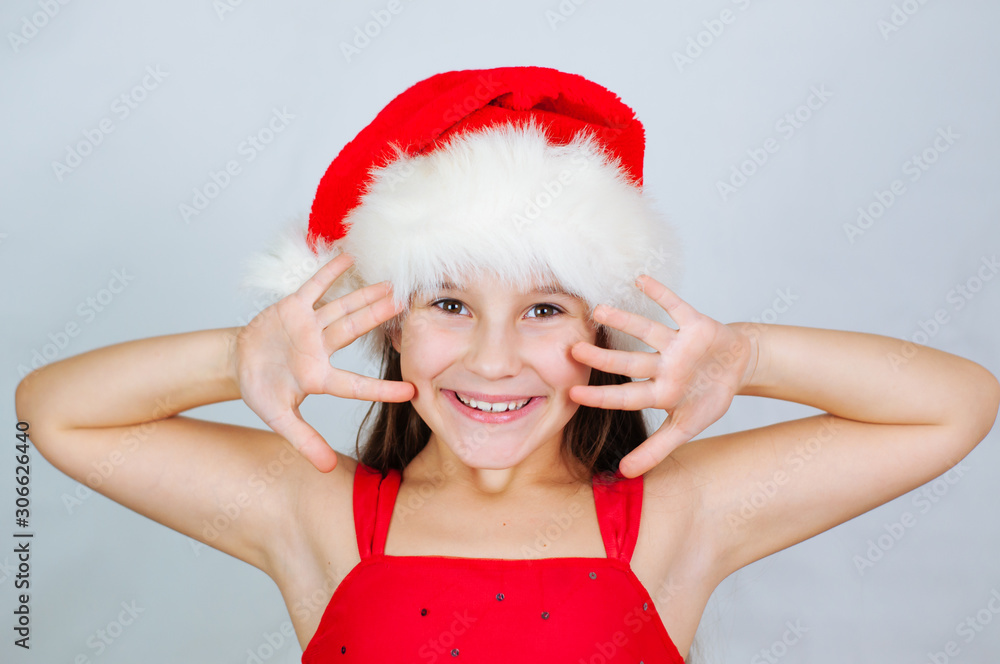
426 609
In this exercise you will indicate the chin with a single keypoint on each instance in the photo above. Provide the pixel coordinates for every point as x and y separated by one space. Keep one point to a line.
483 454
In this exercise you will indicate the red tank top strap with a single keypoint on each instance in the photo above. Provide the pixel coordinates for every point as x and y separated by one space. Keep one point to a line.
619 506
374 497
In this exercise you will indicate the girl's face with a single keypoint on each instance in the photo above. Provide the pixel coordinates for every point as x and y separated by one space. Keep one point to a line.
495 345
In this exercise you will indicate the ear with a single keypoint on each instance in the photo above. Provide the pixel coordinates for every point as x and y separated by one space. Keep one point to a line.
394 330
394 338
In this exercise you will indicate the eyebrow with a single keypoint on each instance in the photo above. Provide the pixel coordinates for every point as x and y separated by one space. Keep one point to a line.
547 289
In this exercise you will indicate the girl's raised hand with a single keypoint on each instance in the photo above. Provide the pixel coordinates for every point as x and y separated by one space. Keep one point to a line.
283 354
693 375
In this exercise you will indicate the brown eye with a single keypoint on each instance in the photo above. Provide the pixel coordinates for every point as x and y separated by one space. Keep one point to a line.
449 306
550 308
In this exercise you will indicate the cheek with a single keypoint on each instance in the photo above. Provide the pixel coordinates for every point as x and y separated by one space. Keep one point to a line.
557 365
423 353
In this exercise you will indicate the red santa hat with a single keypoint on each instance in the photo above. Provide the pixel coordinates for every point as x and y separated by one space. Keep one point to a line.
524 172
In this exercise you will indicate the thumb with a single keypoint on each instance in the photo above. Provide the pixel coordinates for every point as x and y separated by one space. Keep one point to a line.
654 449
305 439
639 461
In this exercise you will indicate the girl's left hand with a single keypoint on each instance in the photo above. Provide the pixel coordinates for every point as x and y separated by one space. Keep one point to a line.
693 375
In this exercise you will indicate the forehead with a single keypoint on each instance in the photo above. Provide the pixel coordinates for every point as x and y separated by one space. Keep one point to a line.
544 287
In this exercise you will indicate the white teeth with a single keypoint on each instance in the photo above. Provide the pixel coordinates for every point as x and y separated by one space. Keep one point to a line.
493 407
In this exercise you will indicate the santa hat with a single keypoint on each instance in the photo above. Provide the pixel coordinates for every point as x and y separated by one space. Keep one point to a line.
522 172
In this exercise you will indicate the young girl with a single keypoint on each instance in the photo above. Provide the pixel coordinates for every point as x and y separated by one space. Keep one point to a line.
487 238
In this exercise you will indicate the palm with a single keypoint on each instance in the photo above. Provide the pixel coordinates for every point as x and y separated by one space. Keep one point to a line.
283 355
693 374
290 362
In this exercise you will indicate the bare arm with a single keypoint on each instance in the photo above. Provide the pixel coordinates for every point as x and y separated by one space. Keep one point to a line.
108 418
874 378
132 382
897 415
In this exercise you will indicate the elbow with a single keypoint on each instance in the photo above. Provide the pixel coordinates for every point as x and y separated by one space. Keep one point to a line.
24 397
28 404
991 391
978 418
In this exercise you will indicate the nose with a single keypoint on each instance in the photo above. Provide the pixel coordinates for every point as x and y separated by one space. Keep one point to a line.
494 350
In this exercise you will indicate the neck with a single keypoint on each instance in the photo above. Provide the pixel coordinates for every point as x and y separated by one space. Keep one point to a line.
543 469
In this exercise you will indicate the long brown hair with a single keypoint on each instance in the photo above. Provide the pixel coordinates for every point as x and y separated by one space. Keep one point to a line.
597 437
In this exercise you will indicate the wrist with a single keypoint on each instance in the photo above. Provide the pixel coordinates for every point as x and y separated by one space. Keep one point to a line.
754 334
230 362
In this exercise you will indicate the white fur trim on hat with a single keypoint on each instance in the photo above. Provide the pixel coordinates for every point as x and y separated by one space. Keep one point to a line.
503 201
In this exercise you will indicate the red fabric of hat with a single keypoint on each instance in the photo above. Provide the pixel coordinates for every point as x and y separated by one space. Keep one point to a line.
429 112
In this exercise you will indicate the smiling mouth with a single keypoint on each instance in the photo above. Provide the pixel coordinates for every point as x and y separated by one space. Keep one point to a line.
501 407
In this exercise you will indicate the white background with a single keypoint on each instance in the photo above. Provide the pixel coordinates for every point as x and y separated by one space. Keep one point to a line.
782 231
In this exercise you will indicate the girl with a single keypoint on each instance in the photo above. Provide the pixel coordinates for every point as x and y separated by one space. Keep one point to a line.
486 236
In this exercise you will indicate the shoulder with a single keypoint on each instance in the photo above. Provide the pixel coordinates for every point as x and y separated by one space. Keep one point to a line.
675 482
672 531
328 491
688 492
321 530
322 505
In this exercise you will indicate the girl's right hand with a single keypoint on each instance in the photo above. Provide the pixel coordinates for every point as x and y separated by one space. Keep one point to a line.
283 354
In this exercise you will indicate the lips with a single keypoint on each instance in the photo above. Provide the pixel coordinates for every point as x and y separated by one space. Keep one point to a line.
494 398
493 418
508 405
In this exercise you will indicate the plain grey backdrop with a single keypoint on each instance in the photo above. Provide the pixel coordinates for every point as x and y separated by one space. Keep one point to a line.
811 113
